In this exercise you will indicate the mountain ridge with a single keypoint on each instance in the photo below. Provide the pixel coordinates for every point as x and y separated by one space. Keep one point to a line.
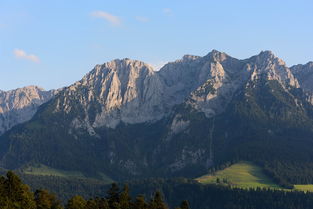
19 105
127 121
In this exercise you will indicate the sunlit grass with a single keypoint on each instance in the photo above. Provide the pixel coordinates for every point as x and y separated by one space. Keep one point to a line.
306 187
243 175
48 171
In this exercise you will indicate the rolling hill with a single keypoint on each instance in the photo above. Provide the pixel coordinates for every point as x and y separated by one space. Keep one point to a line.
246 175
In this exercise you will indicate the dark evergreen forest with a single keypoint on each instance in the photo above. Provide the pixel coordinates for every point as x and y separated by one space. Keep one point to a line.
148 194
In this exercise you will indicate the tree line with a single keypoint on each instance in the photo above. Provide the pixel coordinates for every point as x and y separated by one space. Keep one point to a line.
14 194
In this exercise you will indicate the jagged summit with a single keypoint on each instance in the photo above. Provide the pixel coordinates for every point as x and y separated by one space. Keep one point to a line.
266 64
130 91
25 88
122 64
300 67
19 105
217 56
267 53
304 74
189 57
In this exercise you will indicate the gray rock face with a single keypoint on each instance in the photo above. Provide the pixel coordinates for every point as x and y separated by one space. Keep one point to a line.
130 91
118 91
304 74
267 64
19 105
223 78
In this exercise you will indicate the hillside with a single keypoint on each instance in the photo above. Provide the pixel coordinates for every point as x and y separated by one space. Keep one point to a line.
246 175
242 175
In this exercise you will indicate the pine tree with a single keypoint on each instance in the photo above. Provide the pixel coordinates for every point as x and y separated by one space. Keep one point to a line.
125 199
16 194
157 202
140 203
76 202
102 203
113 196
184 205
45 200
91 204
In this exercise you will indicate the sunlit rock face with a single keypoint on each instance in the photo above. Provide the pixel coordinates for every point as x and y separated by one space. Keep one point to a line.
19 105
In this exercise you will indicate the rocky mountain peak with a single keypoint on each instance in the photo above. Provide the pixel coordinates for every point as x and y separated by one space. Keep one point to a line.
304 74
268 57
267 65
126 64
129 91
19 105
301 68
189 57
122 90
217 56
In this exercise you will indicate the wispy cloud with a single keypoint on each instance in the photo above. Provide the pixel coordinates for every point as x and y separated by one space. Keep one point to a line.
167 11
112 19
21 54
142 19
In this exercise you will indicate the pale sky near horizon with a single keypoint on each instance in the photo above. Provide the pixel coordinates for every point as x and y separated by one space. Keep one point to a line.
55 43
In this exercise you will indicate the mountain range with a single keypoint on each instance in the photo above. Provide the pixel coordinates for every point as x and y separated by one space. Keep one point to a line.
123 120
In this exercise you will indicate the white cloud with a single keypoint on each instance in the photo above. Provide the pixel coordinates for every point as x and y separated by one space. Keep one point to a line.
142 19
167 11
112 19
23 55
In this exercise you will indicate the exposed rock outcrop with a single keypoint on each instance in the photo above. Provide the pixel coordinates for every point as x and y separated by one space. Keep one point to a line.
19 105
304 74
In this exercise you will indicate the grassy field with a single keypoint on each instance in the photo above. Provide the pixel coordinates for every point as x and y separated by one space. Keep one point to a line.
247 175
47 171
242 175
306 188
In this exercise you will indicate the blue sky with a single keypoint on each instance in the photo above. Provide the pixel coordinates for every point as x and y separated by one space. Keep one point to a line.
54 43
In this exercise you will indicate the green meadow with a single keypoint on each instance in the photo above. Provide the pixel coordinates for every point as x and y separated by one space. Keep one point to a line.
243 175
43 170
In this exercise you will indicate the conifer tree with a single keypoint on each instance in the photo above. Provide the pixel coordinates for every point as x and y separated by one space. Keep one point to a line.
46 200
76 202
16 194
113 195
125 199
91 204
184 205
140 203
157 202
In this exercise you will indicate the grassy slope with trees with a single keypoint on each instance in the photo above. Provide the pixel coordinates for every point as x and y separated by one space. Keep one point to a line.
14 194
246 175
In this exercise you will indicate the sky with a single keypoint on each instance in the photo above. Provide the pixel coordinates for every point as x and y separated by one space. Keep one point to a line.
54 43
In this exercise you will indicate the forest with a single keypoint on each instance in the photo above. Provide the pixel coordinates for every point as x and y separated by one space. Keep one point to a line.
153 194
14 194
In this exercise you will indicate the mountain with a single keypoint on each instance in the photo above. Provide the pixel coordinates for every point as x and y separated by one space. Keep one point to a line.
304 74
123 120
19 105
